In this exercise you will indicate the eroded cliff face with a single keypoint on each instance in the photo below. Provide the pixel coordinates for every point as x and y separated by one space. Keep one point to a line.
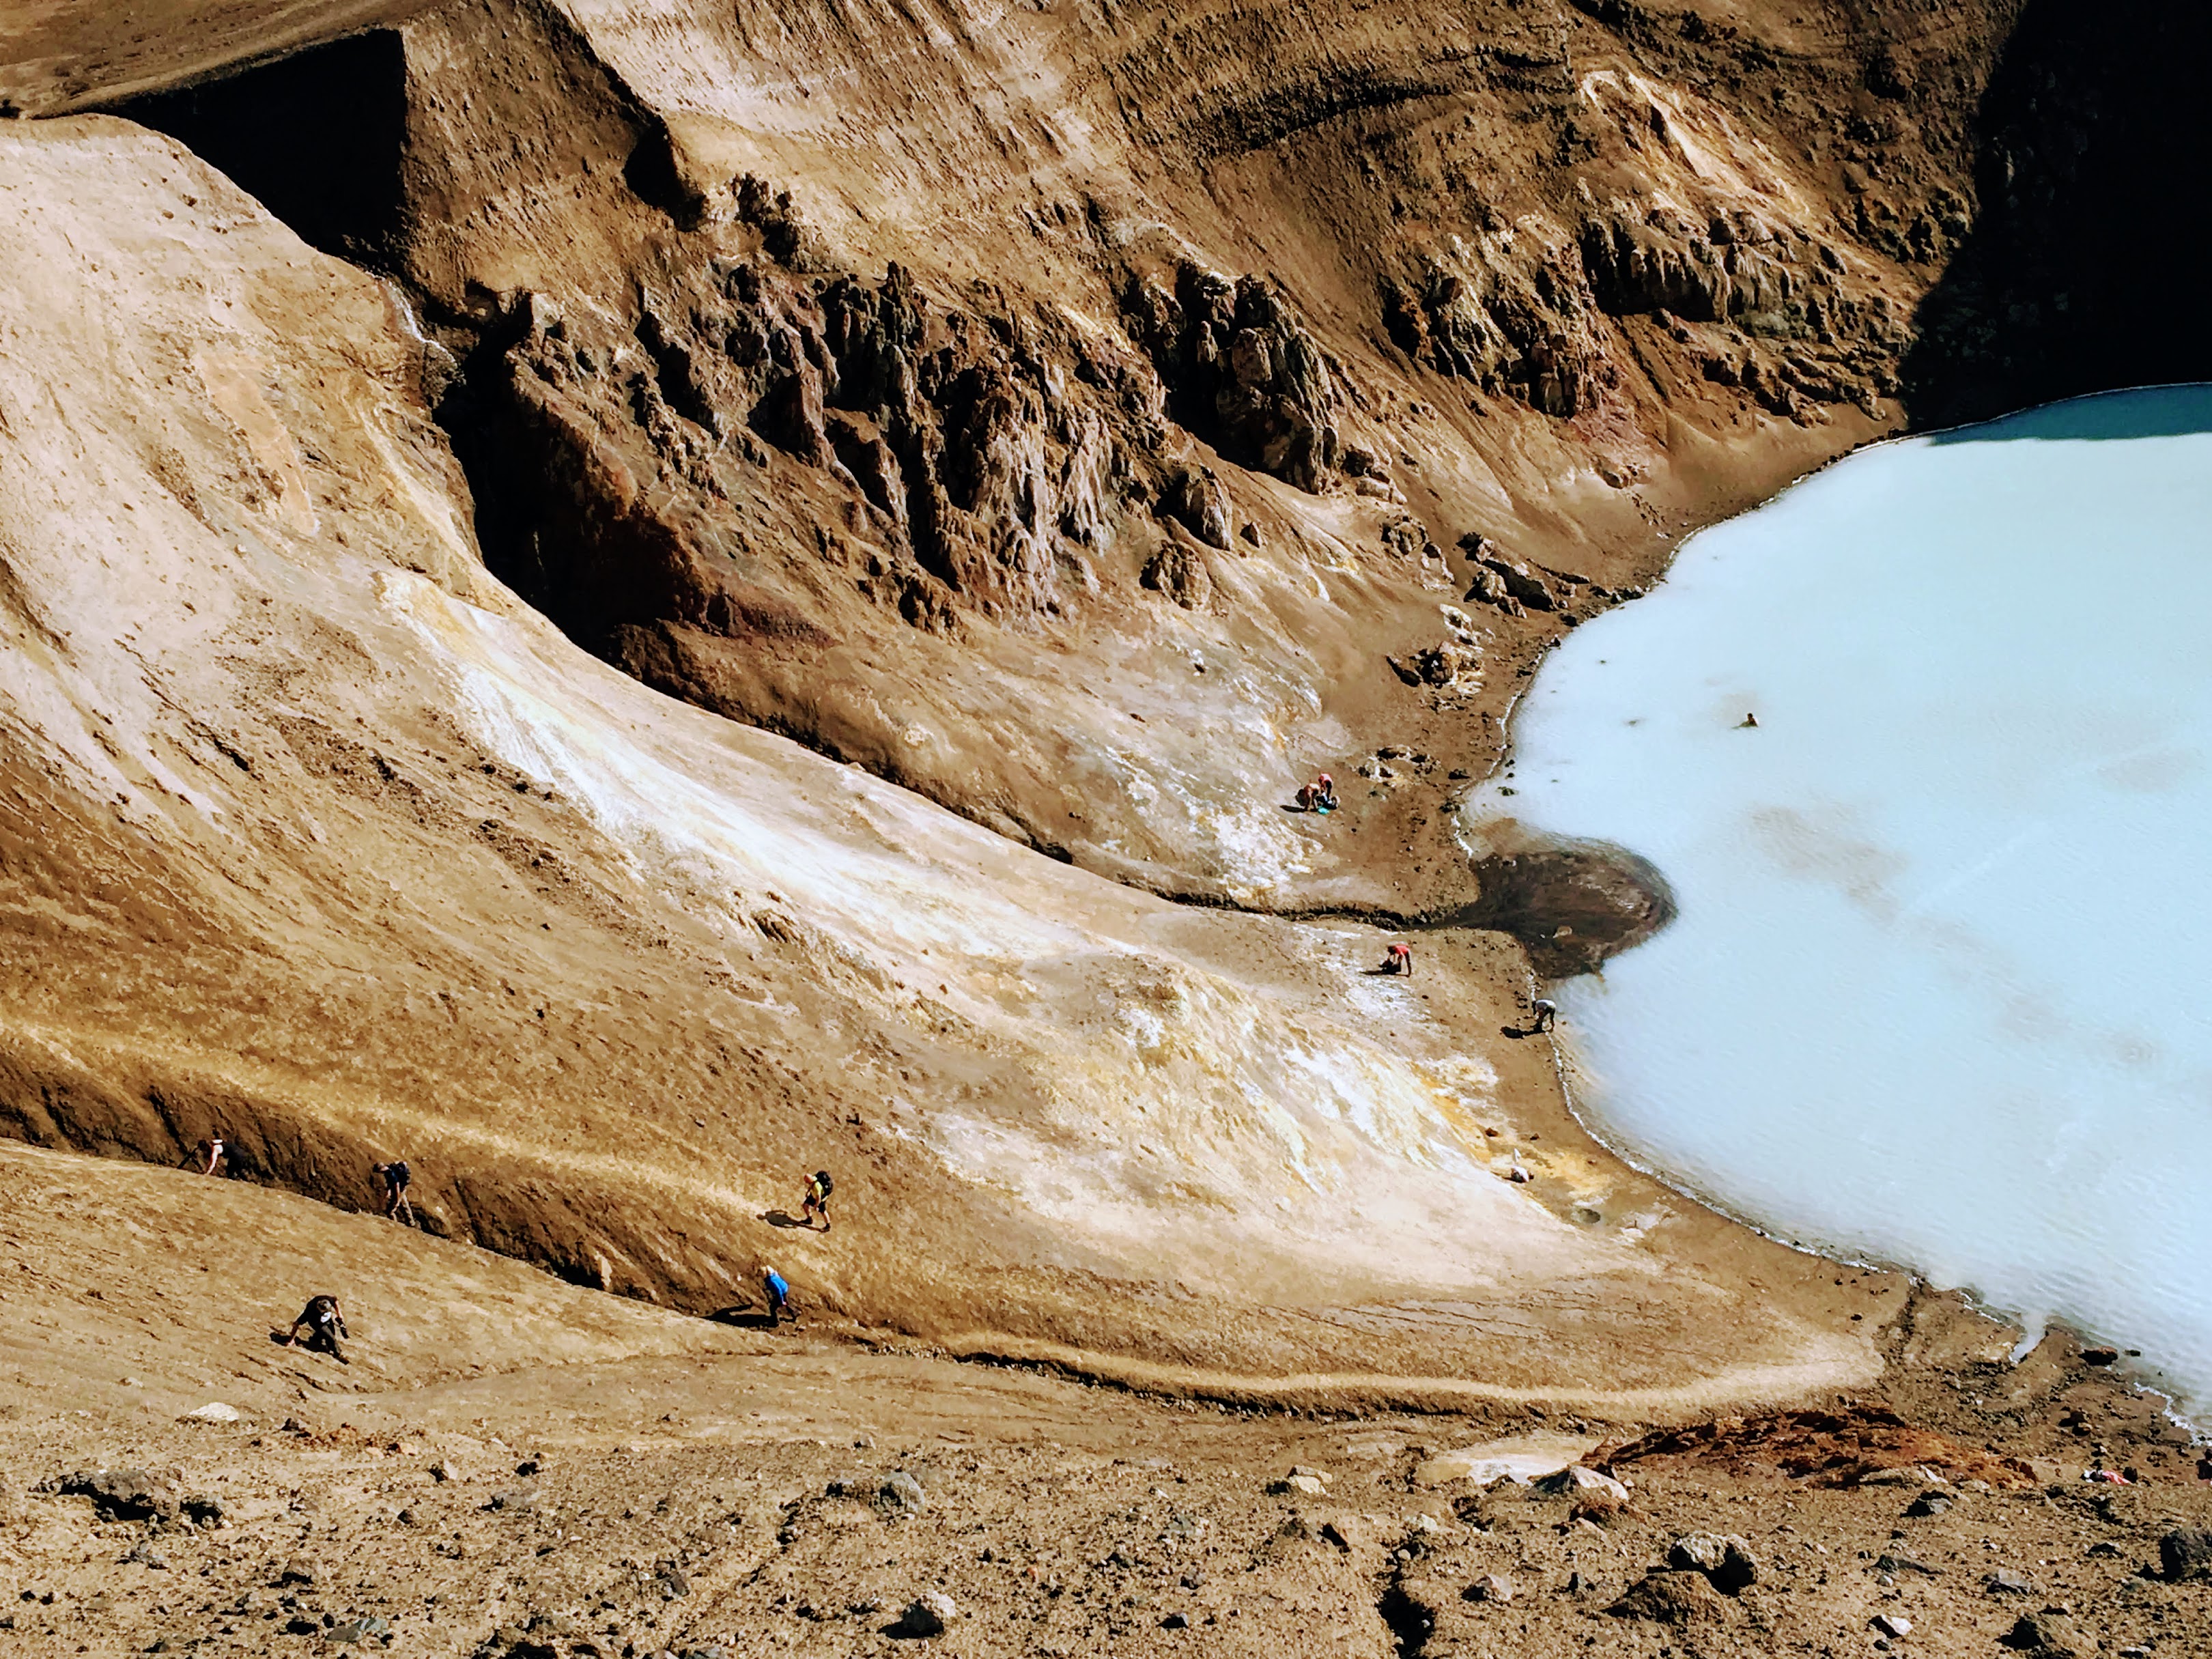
1098 419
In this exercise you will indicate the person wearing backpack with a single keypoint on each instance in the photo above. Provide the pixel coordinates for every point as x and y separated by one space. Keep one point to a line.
818 1187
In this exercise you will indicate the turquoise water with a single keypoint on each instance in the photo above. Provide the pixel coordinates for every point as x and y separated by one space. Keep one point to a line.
1940 989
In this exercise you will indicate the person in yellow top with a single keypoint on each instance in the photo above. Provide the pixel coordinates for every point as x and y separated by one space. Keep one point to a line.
818 1199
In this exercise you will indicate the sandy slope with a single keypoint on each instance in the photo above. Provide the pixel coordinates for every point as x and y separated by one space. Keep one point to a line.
514 1466
324 841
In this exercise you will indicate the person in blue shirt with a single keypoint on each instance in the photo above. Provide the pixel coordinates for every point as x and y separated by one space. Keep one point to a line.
779 1296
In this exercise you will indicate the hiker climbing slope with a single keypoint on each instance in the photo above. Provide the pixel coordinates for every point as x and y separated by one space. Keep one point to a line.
326 1325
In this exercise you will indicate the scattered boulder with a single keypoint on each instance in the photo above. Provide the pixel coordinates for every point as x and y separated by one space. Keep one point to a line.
926 1616
2185 1552
443 1471
1671 1597
297 1570
901 1494
2047 1635
1180 572
1194 497
1727 1561
1928 1503
2005 1583
1576 1479
214 1412
1311 1485
1891 1623
142 1556
2100 1355
1489 1588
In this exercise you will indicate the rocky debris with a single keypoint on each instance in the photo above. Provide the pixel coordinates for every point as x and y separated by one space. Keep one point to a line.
1194 497
1672 1597
1727 1560
1508 314
1857 1445
2185 1552
1490 1587
1178 570
143 1555
2048 1634
355 1632
925 1617
123 1494
1242 372
1891 1623
203 1509
2004 1582
1313 1483
1928 1504
513 1500
214 1412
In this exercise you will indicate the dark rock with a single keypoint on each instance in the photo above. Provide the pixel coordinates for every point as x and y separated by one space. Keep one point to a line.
2185 1552
2047 1635
2100 1355
299 1625
925 1617
123 1494
1927 1503
202 1510
1671 1597
671 1584
1174 1621
297 1570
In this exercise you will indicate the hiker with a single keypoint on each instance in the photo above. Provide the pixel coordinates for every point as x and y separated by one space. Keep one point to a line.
1324 788
779 1296
1547 1012
818 1187
213 1149
396 1176
1399 959
325 1324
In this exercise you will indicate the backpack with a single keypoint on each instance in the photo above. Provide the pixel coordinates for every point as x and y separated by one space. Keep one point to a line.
822 1180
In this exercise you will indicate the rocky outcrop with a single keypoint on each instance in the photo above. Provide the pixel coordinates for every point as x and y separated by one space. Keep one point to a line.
1242 372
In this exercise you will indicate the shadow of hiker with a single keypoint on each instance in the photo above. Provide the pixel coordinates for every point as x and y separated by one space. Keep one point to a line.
1517 1032
750 1319
1385 973
785 1218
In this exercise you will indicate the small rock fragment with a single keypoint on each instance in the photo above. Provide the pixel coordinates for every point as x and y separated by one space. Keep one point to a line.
1727 1561
1893 1624
2005 1583
1490 1587
925 1616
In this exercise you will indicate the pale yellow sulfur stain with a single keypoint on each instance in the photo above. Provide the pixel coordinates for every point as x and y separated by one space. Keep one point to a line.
234 385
